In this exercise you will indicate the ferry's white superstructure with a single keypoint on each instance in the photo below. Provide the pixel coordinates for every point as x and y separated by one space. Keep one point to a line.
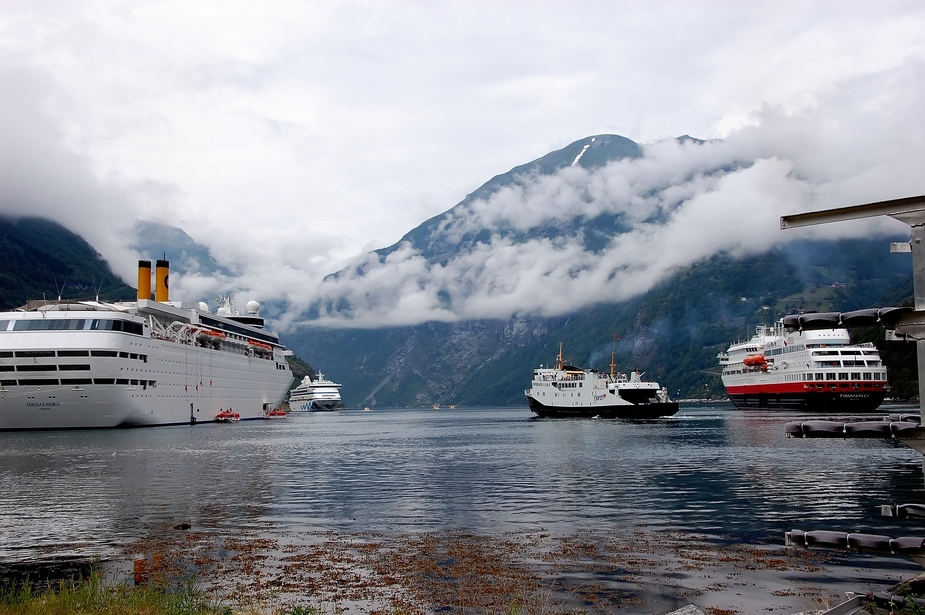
569 391
93 364
318 395
790 366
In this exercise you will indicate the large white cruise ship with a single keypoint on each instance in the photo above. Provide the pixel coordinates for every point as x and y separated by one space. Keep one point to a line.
318 395
92 364
808 362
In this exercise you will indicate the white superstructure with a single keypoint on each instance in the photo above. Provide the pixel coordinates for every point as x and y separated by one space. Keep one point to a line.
569 391
789 367
94 364
316 395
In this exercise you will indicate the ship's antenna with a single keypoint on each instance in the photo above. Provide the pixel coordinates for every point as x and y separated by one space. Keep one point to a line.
98 289
59 290
560 362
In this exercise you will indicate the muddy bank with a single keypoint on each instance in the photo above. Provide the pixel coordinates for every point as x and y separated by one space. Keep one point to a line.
634 571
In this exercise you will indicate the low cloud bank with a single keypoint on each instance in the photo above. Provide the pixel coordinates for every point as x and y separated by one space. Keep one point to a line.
681 202
40 176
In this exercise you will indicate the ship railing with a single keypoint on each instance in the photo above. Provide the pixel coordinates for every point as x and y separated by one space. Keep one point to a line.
173 331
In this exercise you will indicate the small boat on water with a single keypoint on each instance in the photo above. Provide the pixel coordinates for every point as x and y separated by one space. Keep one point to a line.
227 416
569 391
276 413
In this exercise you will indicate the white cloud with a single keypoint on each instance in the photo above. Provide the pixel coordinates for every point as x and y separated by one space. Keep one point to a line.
290 138
683 202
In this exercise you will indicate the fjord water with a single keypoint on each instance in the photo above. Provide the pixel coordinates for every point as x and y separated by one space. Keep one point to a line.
710 469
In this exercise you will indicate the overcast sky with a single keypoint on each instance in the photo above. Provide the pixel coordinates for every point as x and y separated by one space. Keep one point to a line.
290 138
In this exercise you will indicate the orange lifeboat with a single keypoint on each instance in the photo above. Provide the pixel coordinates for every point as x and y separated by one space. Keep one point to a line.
227 416
260 345
755 360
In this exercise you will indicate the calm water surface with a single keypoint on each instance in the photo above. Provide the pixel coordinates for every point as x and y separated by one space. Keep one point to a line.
710 469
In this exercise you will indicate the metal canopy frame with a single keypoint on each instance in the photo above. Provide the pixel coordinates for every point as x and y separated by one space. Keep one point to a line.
908 210
911 211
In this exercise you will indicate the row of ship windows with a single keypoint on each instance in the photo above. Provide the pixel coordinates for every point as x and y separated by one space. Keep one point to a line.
777 351
43 368
102 324
55 381
560 384
810 377
846 364
788 349
45 354
842 376
72 324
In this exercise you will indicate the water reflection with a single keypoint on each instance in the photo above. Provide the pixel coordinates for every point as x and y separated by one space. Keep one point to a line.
710 469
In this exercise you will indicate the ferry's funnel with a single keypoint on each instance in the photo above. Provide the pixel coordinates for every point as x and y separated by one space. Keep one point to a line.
162 285
144 280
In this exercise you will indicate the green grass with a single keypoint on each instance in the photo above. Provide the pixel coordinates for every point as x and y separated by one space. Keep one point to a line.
95 597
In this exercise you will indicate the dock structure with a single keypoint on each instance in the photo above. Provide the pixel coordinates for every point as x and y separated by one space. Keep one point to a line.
911 211
909 323
907 429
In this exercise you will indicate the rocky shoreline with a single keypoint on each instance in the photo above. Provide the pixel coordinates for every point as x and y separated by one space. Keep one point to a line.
632 571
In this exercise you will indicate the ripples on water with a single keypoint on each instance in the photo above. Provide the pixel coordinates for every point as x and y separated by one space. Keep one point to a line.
709 469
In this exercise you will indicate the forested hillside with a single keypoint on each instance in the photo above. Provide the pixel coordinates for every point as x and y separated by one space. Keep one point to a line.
40 258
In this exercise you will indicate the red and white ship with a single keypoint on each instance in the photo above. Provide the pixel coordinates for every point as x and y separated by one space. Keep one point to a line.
807 362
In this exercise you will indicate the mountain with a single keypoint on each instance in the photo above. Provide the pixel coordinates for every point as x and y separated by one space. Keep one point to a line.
602 237
40 258
157 240
592 152
433 242
673 332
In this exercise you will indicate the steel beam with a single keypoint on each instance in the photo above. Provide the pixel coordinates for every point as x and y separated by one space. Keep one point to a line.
913 206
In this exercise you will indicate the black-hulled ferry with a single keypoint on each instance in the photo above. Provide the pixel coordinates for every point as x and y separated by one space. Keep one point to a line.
569 391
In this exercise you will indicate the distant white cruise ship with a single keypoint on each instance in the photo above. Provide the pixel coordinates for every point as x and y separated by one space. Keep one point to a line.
151 362
318 395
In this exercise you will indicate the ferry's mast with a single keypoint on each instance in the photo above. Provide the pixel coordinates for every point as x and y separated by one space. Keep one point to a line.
613 354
